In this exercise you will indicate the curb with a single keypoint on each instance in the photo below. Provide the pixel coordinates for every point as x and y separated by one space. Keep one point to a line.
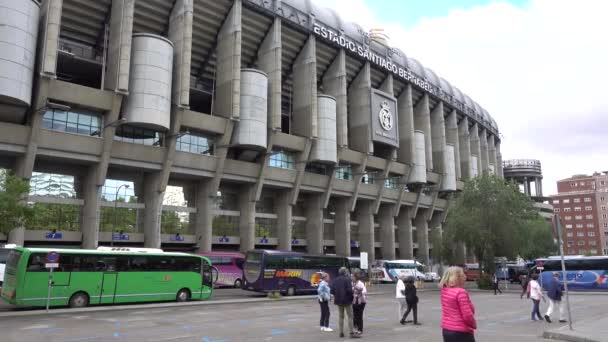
569 337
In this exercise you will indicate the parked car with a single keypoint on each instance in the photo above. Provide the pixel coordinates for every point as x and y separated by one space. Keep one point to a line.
431 276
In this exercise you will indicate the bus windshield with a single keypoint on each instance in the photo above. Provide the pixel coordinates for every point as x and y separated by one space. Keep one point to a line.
12 261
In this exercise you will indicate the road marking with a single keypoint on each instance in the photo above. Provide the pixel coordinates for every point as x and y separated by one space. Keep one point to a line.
278 332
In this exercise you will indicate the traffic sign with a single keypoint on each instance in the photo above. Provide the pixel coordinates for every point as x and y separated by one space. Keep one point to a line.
540 264
52 257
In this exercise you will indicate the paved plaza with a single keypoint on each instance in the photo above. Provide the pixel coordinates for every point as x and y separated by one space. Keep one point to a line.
500 318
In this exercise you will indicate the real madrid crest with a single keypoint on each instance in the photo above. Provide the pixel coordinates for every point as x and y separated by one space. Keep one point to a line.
385 116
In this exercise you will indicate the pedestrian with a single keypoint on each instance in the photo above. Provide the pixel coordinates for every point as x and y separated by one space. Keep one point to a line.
359 301
457 311
411 299
400 295
555 292
324 295
524 286
342 289
535 293
495 284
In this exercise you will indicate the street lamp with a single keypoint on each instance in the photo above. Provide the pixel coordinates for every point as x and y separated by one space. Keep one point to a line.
115 207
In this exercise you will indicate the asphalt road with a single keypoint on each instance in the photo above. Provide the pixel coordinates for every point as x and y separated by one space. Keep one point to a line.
500 318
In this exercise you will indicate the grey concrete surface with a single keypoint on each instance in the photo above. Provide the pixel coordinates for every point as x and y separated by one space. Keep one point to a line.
500 318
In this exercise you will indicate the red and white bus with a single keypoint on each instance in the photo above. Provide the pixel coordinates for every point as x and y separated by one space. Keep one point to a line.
229 266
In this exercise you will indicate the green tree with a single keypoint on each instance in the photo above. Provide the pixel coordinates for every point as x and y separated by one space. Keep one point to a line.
491 216
125 218
539 241
14 211
170 223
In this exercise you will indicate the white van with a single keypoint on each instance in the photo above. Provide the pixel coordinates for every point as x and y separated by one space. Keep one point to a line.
389 270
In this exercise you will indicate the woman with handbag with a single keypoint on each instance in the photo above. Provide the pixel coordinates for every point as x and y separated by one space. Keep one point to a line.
411 299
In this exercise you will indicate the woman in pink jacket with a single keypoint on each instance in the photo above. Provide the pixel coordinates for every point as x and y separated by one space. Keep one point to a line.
458 313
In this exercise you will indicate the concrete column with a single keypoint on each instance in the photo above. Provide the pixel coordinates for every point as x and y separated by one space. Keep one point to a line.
404 229
359 104
17 236
475 145
540 187
180 33
314 224
283 209
526 186
228 69
205 200
269 61
387 227
483 143
50 13
119 46
405 109
91 193
438 139
365 217
422 122
305 118
451 132
342 226
464 148
499 171
422 231
334 84
247 218
492 152
153 200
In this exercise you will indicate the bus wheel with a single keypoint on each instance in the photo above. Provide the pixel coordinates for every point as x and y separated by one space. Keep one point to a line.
238 284
183 295
79 300
291 290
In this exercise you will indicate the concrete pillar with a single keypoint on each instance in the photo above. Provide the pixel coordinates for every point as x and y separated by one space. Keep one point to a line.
365 217
269 61
404 230
540 187
405 109
422 231
17 236
283 209
499 169
475 145
438 139
314 224
50 13
451 133
483 143
526 186
492 152
180 34
465 148
153 200
205 200
334 84
359 104
119 46
91 193
387 227
228 69
342 226
247 218
422 122
305 118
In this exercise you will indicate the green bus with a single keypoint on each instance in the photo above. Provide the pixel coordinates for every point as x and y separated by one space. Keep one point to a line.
107 275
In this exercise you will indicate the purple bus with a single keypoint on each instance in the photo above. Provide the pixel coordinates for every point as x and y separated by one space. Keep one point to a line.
229 266
288 272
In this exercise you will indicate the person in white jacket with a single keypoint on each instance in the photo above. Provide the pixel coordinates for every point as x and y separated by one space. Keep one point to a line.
536 294
400 294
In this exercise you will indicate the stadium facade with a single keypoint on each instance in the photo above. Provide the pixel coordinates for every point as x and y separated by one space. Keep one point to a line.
282 125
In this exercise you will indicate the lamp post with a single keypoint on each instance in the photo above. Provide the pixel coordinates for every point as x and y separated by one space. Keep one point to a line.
115 207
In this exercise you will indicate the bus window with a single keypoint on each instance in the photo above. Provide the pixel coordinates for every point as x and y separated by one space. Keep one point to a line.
36 263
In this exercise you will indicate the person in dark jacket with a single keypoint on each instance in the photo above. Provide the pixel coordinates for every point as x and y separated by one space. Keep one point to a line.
411 300
555 292
342 289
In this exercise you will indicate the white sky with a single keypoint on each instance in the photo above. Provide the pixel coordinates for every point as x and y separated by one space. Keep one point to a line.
539 69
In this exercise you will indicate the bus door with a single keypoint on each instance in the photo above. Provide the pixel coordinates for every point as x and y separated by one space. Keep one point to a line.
107 265
209 276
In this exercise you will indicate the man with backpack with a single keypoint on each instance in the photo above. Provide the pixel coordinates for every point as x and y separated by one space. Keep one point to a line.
555 292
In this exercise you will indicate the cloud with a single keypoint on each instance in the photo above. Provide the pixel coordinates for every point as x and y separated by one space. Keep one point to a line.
539 69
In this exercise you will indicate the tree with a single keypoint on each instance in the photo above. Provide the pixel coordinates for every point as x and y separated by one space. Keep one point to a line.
539 241
14 210
492 217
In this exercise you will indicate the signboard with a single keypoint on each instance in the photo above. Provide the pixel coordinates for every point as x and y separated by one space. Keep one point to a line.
384 118
363 260
176 238
52 257
123 237
53 236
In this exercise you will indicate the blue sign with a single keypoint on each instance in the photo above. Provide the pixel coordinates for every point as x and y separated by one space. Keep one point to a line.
54 236
264 240
295 242
176 238
354 243
123 237
224 239
52 257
